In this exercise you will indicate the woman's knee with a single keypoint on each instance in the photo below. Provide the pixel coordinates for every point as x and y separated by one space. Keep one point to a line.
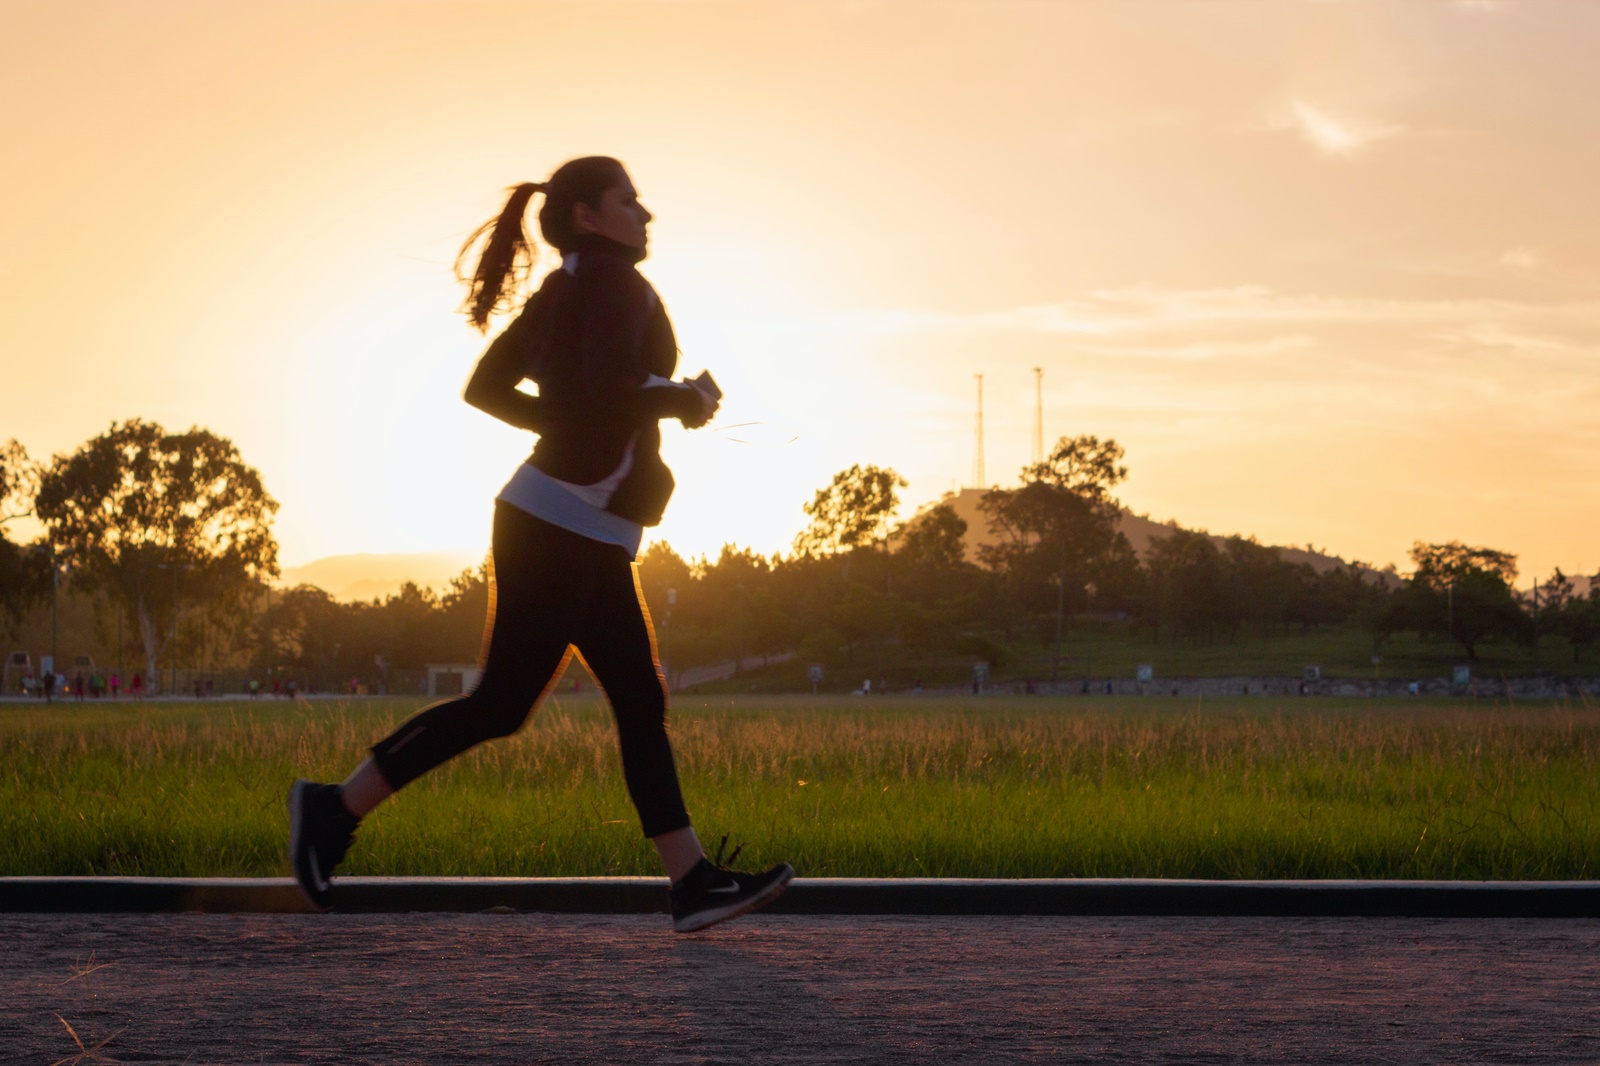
641 711
497 712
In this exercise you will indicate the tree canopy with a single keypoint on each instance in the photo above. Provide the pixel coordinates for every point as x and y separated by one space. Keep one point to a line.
156 519
851 512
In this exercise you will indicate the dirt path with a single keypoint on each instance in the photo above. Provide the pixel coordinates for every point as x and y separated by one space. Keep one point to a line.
538 988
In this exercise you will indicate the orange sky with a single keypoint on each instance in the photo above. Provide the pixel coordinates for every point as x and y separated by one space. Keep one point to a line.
1329 271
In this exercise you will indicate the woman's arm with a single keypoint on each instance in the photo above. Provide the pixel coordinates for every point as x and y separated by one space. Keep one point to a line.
493 385
615 306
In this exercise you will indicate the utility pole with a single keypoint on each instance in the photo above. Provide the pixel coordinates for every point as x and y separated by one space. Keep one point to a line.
1038 415
978 480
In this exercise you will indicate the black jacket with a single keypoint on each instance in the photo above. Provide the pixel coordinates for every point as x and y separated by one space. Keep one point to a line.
589 340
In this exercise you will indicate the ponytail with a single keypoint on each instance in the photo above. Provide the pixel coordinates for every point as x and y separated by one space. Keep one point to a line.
505 261
506 258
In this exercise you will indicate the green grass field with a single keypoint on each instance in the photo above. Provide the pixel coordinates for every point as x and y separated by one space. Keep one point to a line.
841 787
1103 650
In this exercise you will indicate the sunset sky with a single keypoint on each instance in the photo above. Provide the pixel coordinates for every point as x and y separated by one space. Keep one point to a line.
1329 271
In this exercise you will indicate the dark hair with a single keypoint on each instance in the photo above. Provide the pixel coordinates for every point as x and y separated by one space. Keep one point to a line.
507 255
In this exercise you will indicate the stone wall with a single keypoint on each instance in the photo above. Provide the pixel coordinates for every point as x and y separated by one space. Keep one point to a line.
1192 687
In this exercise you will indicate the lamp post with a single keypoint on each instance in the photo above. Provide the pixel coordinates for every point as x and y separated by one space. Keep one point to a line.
55 584
738 628
1088 645
666 623
1061 609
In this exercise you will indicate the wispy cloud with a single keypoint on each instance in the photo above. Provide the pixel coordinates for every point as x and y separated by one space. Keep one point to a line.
1521 258
1330 134
1142 308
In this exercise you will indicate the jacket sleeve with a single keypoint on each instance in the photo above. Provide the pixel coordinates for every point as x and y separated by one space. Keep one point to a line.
614 309
493 385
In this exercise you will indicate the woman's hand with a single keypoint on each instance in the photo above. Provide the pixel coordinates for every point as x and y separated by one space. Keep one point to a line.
708 408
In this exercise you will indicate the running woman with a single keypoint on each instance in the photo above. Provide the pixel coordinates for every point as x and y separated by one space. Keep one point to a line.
567 526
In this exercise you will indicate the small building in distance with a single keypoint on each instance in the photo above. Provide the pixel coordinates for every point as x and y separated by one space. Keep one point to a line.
451 679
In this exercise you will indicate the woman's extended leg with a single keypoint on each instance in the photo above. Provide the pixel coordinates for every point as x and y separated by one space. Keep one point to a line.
617 642
536 594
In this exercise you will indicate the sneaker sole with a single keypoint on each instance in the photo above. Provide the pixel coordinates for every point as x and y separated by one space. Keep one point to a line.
296 809
705 919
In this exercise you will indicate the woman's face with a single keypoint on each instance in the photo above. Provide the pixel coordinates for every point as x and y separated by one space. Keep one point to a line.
620 215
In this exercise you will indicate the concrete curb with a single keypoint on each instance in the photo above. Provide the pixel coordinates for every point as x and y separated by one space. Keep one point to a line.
912 896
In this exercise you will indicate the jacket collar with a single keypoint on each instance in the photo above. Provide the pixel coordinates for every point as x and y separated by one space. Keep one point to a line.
594 243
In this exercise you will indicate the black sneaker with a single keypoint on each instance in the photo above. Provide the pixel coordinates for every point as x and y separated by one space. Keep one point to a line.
712 893
320 831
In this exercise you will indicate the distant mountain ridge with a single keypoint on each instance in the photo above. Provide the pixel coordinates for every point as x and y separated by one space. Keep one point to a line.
369 575
1140 531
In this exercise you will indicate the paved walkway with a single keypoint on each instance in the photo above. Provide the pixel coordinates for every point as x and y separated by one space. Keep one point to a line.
523 988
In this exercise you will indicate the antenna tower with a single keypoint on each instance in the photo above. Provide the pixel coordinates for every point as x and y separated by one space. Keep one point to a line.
978 480
1038 415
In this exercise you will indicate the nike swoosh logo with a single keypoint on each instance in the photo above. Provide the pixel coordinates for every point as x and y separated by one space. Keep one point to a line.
722 891
316 874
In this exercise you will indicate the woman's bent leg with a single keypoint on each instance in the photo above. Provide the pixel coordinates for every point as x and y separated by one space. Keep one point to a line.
535 595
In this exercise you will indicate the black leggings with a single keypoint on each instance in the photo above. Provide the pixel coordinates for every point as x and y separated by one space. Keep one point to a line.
554 589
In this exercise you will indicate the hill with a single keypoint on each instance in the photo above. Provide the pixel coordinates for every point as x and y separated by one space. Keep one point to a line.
1140 530
370 574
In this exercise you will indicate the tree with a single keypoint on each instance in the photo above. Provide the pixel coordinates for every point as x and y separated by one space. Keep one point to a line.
1577 617
1188 584
1086 466
934 539
24 568
1463 592
852 512
157 519
1058 531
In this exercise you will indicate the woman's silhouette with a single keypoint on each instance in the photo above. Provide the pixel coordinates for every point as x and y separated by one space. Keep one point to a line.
567 526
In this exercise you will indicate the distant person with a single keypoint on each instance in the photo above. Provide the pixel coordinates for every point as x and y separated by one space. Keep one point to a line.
116 684
78 686
136 687
567 526
255 688
49 686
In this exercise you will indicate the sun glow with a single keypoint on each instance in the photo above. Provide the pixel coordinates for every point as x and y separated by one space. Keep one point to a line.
1363 320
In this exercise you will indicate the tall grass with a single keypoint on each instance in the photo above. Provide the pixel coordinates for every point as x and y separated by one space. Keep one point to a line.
886 787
